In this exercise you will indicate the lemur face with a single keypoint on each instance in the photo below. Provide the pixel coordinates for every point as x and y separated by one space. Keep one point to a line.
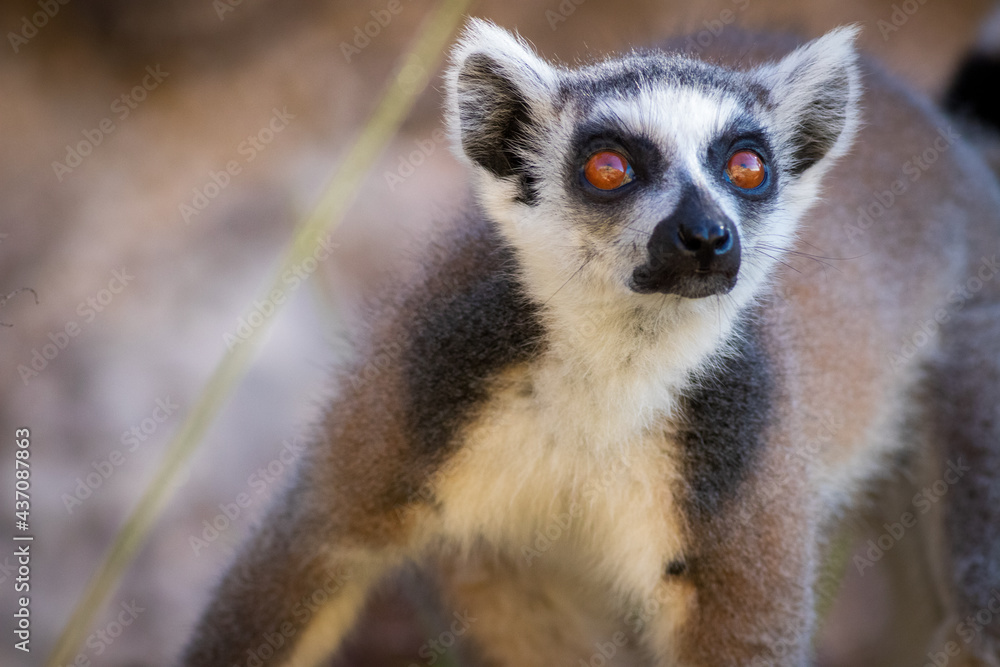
651 174
668 182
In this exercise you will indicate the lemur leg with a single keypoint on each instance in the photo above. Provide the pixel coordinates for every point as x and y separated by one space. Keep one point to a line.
964 402
353 512
529 614
292 594
889 604
745 594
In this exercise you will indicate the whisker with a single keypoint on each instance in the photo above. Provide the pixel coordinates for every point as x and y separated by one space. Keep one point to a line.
720 307
819 260
585 262
865 254
810 255
799 253
779 261
637 231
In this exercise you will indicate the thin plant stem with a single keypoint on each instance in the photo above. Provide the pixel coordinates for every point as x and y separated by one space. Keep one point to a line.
408 80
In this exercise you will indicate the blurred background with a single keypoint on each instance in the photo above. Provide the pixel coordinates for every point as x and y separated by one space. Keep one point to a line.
155 158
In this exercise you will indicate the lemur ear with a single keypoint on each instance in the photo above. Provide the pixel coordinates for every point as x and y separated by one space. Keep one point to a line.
816 91
498 91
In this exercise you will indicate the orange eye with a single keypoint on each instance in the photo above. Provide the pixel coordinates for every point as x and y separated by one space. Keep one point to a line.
746 170
608 170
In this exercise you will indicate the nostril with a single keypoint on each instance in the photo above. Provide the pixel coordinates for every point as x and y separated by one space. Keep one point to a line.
723 242
717 240
690 240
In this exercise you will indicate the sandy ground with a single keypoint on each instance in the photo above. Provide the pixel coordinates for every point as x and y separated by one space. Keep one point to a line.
149 290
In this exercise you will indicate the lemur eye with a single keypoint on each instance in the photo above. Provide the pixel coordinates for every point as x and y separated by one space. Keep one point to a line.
746 170
608 170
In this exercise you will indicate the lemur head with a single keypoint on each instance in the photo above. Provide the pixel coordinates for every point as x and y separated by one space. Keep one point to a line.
651 174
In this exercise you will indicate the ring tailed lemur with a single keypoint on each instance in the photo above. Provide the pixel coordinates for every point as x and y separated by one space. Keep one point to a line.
617 350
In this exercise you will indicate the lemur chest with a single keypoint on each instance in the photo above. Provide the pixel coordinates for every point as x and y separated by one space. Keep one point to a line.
547 471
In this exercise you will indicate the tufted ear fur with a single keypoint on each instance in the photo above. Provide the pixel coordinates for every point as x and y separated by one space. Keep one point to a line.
499 92
815 91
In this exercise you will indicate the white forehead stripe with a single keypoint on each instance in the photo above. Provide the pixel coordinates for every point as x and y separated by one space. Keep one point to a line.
681 120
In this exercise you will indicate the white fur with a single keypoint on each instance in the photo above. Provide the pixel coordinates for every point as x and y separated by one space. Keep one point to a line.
552 467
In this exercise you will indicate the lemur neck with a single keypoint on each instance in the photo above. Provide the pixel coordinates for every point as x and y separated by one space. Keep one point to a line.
637 338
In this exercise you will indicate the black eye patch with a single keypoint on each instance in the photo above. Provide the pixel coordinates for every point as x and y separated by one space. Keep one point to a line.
644 157
743 137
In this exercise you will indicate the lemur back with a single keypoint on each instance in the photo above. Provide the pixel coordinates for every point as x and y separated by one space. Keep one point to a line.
638 385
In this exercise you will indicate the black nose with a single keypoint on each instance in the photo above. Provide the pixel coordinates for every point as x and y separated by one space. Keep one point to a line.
694 252
704 239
